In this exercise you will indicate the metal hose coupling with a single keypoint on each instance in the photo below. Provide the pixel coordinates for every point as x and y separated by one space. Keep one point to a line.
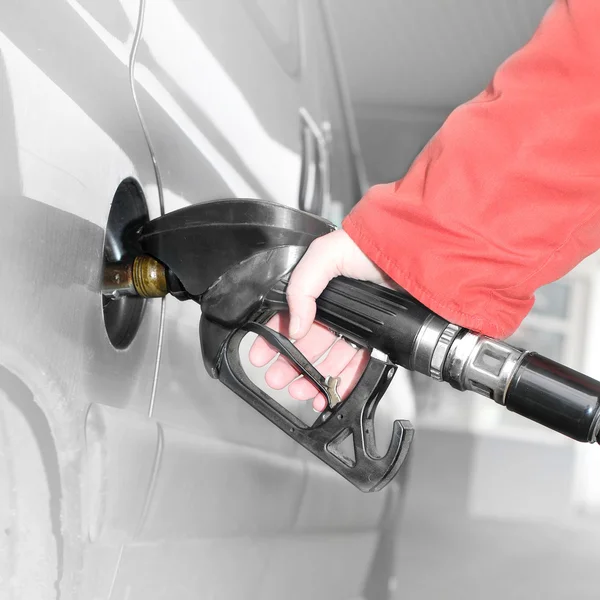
481 364
467 361
526 383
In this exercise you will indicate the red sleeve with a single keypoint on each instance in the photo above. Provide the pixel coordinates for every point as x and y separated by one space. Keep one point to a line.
506 197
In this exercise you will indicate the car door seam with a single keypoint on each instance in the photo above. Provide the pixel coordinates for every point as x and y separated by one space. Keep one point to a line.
132 61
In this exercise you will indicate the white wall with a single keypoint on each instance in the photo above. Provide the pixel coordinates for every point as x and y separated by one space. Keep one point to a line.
410 62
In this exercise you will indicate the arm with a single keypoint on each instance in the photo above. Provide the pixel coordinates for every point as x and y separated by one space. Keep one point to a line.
506 197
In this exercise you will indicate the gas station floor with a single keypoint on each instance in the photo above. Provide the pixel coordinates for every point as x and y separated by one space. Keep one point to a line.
446 552
475 560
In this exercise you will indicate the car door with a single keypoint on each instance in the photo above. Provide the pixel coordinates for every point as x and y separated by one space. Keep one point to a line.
226 93
77 447
333 115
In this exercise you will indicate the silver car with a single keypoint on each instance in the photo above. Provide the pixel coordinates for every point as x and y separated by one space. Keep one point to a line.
125 471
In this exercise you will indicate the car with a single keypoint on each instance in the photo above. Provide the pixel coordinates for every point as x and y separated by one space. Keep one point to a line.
126 471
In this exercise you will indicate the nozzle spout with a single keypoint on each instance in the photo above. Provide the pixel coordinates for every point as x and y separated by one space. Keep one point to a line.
201 242
145 277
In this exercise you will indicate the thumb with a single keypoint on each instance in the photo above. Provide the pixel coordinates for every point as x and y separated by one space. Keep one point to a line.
318 266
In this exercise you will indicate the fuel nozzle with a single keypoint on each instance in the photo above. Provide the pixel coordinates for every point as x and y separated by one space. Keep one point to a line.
144 276
234 258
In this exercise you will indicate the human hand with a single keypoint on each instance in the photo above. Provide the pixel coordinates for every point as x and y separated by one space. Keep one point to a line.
327 257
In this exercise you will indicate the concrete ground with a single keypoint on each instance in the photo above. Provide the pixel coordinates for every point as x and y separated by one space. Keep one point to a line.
446 551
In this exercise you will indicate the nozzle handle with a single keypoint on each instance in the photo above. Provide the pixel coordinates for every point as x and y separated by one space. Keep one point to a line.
369 315
392 321
367 469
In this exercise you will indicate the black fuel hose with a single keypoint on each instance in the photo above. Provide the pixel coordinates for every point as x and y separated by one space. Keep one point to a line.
557 397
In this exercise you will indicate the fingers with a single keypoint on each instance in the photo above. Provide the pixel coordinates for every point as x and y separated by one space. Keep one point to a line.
343 360
337 360
261 353
312 345
318 267
327 257
349 378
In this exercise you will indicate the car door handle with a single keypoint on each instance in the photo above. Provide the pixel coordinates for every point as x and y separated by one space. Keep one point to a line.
314 192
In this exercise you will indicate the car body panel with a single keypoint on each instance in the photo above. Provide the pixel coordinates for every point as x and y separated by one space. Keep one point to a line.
165 489
70 135
221 110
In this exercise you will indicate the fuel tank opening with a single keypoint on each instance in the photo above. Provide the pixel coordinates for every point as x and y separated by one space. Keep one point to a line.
122 308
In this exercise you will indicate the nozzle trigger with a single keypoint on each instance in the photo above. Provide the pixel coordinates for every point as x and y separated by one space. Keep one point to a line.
327 385
368 470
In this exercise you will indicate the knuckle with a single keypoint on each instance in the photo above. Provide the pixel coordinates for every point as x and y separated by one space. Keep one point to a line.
319 244
294 289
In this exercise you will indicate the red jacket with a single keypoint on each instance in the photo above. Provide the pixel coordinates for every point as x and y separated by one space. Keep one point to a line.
506 197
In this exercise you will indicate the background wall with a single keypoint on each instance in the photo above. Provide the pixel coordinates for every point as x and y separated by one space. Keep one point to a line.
410 62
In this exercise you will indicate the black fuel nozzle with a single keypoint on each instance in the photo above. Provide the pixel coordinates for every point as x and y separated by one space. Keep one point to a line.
234 258
201 242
